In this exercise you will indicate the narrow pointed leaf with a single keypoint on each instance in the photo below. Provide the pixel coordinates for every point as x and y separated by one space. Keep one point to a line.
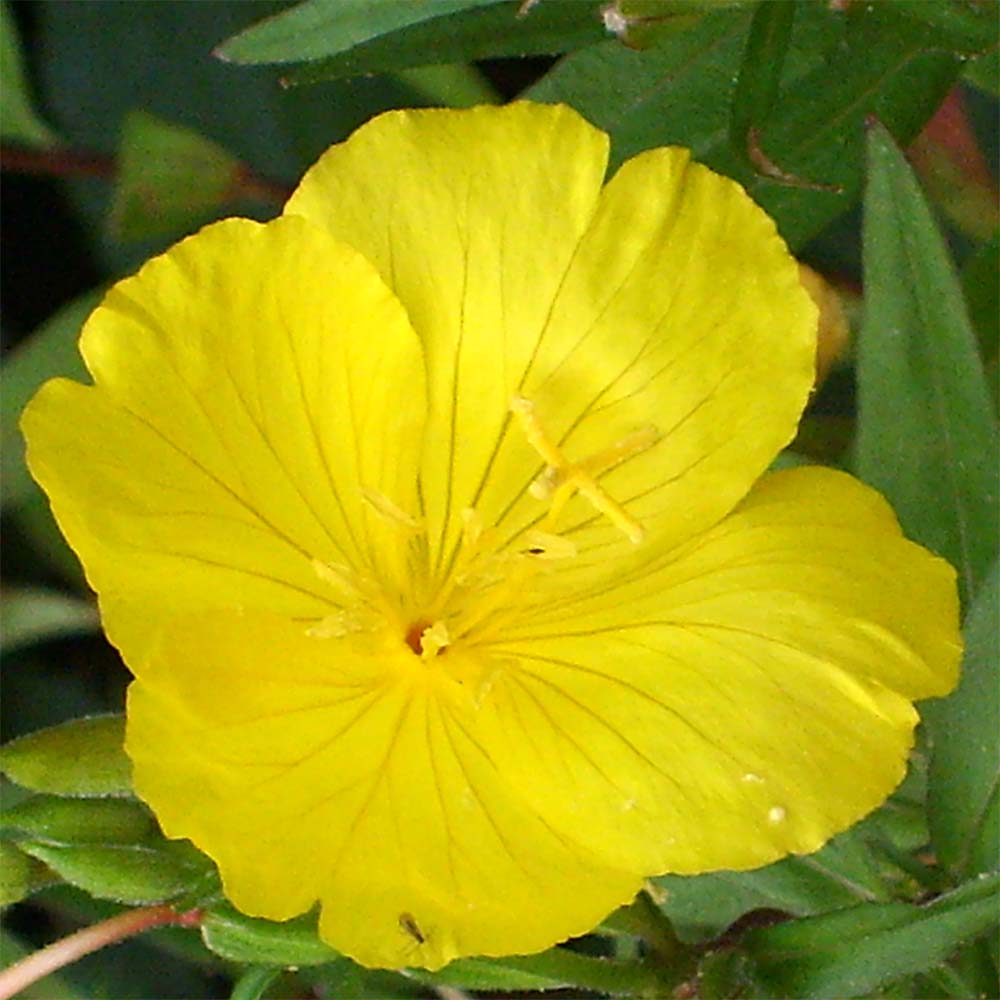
319 28
965 767
84 757
851 953
491 32
927 435
348 37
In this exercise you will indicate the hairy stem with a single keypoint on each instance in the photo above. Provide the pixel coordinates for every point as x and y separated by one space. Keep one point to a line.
61 953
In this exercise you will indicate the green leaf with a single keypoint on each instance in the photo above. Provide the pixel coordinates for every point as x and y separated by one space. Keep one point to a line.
760 70
50 351
20 874
454 86
133 874
253 983
927 435
320 28
982 298
31 614
552 969
84 757
970 28
240 938
984 73
170 179
965 769
18 119
852 952
484 31
839 69
62 821
700 907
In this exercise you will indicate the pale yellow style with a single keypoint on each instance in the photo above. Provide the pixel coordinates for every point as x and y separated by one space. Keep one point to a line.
428 518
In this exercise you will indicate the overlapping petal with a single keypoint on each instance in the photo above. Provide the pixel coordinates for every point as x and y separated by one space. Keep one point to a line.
356 780
250 384
746 699
667 300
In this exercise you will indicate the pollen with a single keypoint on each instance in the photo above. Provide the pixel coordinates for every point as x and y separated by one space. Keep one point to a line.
562 478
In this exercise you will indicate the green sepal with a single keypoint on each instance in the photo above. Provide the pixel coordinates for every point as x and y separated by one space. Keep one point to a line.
64 821
84 757
135 874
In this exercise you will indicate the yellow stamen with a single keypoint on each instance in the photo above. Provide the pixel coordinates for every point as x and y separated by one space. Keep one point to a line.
390 511
561 479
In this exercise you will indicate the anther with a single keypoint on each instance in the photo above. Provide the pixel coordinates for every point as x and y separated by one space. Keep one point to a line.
561 478
390 511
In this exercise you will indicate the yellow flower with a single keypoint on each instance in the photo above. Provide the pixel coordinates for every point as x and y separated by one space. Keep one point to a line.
428 517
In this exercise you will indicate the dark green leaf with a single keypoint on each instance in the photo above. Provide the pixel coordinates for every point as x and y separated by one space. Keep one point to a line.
18 119
239 938
760 70
852 952
483 32
927 435
317 29
84 757
133 874
31 614
965 768
840 68
702 906
970 28
20 874
61 821
170 179
50 351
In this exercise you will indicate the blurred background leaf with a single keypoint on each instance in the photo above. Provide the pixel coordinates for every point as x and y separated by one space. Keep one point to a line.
19 122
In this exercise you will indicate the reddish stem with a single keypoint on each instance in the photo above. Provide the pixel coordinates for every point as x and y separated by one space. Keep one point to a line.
62 162
61 953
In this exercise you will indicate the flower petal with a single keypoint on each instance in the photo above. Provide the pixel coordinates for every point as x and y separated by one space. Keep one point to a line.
249 384
472 218
667 301
745 699
357 780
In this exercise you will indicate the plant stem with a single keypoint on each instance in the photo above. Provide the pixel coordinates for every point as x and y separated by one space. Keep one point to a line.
61 953
59 161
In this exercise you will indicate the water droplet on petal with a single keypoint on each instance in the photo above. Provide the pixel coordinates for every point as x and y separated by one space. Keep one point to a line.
776 814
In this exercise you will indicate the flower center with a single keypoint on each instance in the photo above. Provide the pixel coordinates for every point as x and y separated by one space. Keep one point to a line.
488 583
